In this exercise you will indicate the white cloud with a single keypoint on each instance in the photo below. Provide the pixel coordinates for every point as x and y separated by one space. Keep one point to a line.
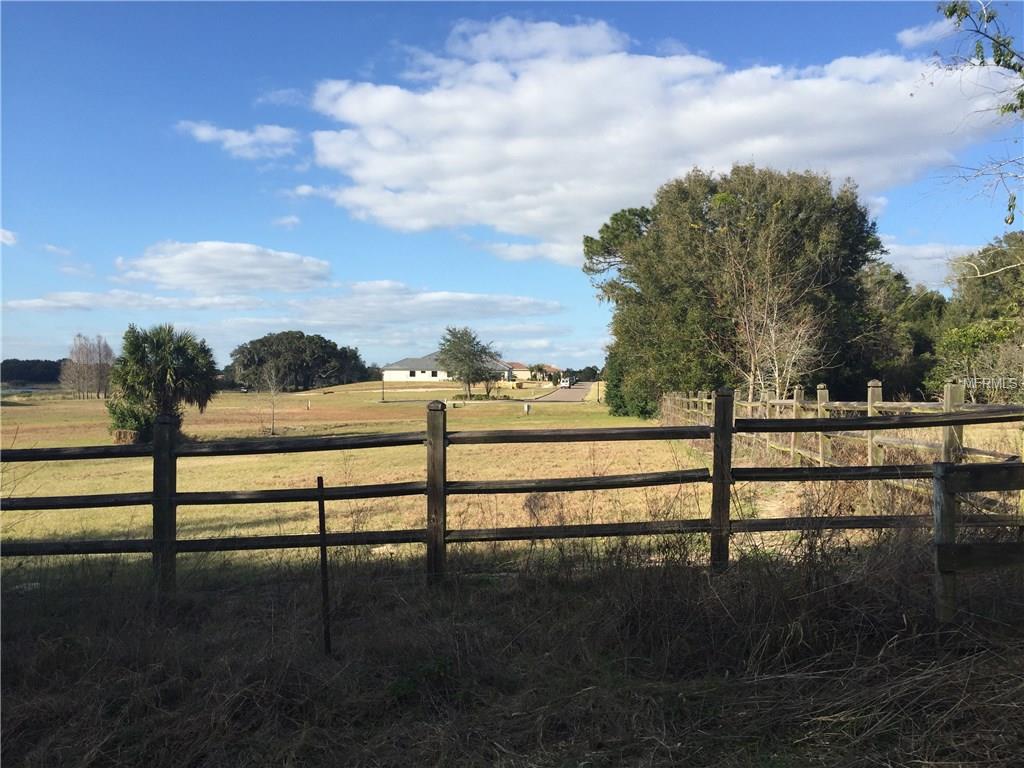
212 267
8 238
913 37
876 204
282 97
77 270
56 250
510 39
541 131
118 299
262 142
396 319
924 263
388 302
287 222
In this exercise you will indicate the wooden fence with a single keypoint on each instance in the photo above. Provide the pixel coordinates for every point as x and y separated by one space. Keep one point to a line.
435 535
951 556
695 407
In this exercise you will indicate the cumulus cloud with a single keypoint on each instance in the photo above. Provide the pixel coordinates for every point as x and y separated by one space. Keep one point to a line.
913 37
119 299
924 262
262 142
8 238
510 39
56 250
212 267
287 222
540 131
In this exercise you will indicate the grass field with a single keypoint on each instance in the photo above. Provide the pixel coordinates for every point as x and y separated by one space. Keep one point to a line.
812 650
344 410
44 419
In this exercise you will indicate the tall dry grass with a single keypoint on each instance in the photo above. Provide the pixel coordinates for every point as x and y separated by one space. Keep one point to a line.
810 650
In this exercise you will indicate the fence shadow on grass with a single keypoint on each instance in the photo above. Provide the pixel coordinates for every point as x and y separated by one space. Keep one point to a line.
809 650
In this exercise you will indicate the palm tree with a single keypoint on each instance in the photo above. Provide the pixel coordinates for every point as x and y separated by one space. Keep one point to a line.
160 370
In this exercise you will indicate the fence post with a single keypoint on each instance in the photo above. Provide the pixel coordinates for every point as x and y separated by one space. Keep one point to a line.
437 443
824 446
721 479
952 437
165 473
798 404
875 457
763 413
944 512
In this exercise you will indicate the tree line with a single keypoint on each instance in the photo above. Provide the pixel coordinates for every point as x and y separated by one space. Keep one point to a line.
765 280
30 371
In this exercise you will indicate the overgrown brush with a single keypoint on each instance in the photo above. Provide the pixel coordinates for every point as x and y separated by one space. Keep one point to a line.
806 652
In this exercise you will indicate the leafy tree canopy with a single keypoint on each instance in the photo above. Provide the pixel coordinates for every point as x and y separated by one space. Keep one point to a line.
467 359
720 264
299 361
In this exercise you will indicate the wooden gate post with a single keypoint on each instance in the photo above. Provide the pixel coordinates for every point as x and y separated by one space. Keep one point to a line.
721 479
952 437
165 475
944 512
437 443
875 457
824 446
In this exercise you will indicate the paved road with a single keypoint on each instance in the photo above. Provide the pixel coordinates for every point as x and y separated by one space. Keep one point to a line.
573 394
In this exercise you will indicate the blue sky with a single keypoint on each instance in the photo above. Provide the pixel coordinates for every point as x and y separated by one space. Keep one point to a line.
374 172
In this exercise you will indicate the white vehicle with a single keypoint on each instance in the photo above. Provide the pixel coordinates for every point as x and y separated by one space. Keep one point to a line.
565 383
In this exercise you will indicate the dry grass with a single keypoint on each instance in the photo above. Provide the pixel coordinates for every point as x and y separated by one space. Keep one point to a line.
598 654
353 409
812 650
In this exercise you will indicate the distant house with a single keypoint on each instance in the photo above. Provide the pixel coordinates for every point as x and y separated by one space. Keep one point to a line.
519 371
551 372
427 368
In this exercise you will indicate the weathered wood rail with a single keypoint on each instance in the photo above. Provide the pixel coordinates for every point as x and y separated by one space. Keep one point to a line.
832 427
164 546
951 556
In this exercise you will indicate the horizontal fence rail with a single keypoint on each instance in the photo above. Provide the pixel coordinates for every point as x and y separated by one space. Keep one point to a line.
880 422
507 436
781 474
299 444
75 454
599 483
718 411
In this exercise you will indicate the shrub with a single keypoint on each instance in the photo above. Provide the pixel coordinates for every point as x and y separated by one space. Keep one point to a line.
125 415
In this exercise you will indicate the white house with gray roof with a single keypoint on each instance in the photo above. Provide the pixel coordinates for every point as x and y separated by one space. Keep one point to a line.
427 368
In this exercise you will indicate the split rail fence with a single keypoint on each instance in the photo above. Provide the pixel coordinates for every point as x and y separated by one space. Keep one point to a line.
164 498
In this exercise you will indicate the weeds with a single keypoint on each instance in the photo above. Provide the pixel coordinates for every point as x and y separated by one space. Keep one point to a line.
627 653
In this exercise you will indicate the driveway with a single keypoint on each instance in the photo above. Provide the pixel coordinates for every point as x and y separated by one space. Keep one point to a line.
573 394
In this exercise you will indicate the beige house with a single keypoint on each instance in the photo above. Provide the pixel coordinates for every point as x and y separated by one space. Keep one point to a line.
519 371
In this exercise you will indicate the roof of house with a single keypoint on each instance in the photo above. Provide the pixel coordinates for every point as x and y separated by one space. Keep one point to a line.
430 363
425 363
517 365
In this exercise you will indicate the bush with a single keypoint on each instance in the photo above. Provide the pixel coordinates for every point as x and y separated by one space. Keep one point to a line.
125 415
